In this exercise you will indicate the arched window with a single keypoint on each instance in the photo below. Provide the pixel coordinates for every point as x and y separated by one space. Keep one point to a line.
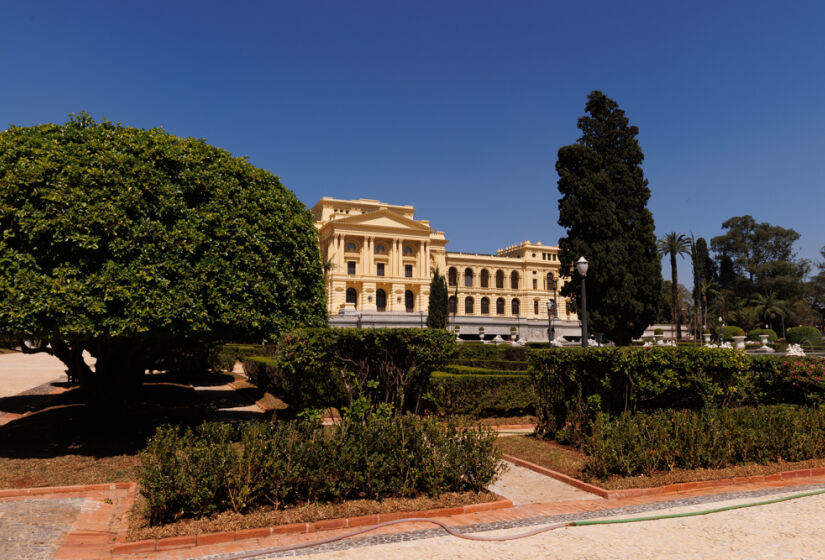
499 279
381 299
514 307
468 277
409 301
352 246
514 280
452 276
485 306
408 251
469 303
379 248
451 305
535 307
352 296
485 278
500 306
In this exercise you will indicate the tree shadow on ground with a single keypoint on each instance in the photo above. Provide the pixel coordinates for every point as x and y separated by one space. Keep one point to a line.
70 426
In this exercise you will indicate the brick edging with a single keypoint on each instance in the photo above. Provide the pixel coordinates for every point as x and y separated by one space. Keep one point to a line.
169 543
670 488
36 491
601 492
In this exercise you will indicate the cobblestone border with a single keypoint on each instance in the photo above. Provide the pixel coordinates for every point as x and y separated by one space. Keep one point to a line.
171 543
670 488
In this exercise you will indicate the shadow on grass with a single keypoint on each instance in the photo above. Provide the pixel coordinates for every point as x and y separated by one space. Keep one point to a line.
69 426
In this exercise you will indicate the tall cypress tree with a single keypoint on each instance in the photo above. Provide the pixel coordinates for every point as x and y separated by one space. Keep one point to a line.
604 209
437 309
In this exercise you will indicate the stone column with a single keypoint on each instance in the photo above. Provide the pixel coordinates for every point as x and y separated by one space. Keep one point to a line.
421 260
367 265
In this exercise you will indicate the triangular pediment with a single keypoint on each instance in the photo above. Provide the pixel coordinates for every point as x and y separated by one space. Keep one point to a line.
380 219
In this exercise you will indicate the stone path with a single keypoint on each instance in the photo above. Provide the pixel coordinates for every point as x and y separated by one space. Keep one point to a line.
33 529
21 372
523 486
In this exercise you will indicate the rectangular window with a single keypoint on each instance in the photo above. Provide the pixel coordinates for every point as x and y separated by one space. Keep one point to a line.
535 283
380 269
351 267
408 271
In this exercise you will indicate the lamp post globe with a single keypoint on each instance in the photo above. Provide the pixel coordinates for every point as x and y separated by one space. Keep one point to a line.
581 267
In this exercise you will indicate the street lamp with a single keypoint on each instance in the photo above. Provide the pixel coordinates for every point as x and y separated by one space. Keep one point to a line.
581 266
551 332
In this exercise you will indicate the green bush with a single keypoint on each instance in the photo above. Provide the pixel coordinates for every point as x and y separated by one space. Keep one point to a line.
791 380
504 365
227 354
478 351
643 443
658 331
480 395
573 385
754 334
803 335
218 467
727 333
469 370
317 368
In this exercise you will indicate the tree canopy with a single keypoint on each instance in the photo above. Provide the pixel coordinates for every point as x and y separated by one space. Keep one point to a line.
127 242
437 310
674 244
604 209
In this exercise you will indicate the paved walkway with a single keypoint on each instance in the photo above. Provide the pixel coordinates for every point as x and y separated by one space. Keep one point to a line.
22 372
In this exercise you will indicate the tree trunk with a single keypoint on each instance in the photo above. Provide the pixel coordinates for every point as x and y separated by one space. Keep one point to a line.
675 295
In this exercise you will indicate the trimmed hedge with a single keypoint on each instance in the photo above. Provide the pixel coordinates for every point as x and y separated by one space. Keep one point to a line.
467 370
220 467
727 333
573 386
503 365
319 368
227 354
505 394
754 334
479 351
803 335
643 443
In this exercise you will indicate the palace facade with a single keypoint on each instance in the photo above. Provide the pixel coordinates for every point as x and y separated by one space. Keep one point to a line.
381 260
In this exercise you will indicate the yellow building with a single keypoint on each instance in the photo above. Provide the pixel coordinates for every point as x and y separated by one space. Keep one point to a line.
381 260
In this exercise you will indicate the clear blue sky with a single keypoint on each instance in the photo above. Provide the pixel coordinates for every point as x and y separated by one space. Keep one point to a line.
458 108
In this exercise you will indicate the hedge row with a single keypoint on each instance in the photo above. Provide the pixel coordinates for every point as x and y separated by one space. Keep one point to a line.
479 351
468 370
803 335
318 368
220 467
480 395
574 385
643 443
502 365
227 354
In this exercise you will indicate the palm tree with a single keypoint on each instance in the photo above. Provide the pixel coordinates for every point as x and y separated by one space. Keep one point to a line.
769 307
674 244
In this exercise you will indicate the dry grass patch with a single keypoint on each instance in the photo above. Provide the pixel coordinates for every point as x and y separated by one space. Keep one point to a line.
139 528
67 470
569 461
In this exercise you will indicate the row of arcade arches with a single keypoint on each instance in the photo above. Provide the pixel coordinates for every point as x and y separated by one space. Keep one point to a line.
470 305
381 299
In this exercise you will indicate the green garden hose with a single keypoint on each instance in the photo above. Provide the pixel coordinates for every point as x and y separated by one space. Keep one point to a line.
530 533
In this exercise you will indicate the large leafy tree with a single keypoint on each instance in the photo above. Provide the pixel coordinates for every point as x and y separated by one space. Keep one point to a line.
604 209
704 277
131 244
674 244
757 258
437 310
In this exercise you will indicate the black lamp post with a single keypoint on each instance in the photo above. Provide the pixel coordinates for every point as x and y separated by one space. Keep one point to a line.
551 333
581 266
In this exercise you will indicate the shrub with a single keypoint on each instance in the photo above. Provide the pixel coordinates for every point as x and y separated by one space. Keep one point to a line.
803 335
658 331
754 334
469 370
573 385
727 333
508 365
643 443
505 352
217 467
227 354
480 395
334 367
